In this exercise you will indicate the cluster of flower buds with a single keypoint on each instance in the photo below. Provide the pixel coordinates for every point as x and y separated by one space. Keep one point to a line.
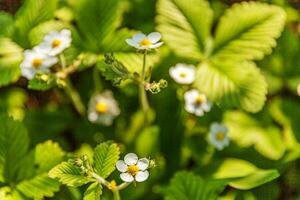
156 87
83 164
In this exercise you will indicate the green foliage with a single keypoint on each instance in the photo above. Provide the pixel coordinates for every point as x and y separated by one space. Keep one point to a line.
14 143
105 157
244 33
30 15
68 174
186 185
93 192
10 58
42 82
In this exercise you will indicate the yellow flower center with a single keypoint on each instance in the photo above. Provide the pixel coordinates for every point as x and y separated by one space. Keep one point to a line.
37 62
112 185
56 43
133 170
220 136
200 99
145 42
182 74
101 107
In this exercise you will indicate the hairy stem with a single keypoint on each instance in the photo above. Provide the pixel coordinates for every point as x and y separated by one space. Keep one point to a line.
74 96
97 82
116 195
62 60
142 93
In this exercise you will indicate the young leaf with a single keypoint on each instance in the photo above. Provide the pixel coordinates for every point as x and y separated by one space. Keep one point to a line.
47 155
248 31
68 174
31 14
39 187
105 157
188 186
93 192
185 26
233 84
10 58
14 144
42 82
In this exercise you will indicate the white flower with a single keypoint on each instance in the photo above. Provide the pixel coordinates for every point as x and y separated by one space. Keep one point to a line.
182 73
218 136
133 169
141 41
56 42
196 102
103 108
35 61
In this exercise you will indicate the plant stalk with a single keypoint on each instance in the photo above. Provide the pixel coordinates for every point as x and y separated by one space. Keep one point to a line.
74 96
142 93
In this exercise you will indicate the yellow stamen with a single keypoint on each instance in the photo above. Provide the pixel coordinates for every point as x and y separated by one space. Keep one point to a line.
145 42
101 107
200 99
112 185
182 75
56 43
220 136
37 62
133 170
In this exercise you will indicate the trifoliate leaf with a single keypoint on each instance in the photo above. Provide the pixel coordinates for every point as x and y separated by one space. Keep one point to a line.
29 15
68 174
267 140
93 192
248 31
47 155
10 58
245 175
185 26
106 156
188 186
14 144
233 84
39 187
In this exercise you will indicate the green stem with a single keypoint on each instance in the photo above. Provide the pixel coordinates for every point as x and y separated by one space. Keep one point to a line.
75 97
62 61
143 94
97 81
116 194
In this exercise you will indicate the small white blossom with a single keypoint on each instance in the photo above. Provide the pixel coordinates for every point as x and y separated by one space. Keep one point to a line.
103 108
35 61
56 42
133 169
142 41
196 102
183 73
218 136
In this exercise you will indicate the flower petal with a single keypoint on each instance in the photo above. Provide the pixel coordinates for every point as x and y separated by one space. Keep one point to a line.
126 177
121 166
132 42
156 45
138 37
131 159
141 176
143 164
154 37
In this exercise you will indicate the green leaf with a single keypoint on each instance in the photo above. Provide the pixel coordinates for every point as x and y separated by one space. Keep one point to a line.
39 187
232 84
6 21
93 192
47 155
14 144
245 33
266 139
10 58
185 26
68 174
31 14
244 175
106 156
96 20
42 82
188 186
